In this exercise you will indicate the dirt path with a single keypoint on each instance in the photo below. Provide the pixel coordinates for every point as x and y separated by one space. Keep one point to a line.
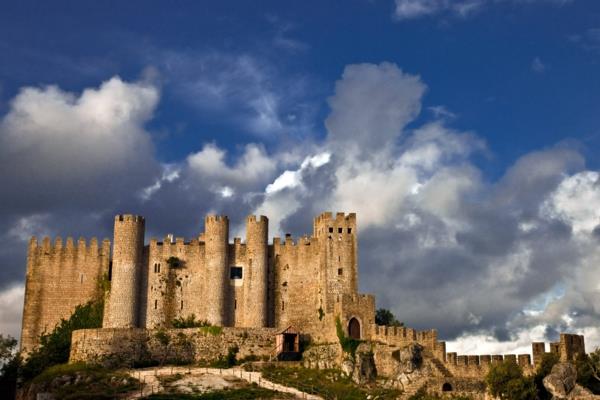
201 377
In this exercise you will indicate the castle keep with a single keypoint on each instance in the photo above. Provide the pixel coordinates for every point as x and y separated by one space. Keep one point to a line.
253 290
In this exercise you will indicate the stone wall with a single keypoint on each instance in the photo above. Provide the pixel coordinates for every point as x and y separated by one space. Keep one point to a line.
121 346
60 276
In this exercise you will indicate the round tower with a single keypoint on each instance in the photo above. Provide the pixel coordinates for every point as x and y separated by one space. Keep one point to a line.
122 308
216 239
256 274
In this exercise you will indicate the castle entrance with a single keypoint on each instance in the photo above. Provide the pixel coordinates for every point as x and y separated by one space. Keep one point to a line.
354 328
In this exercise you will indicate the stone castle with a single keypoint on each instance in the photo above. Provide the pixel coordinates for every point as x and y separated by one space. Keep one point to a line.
255 290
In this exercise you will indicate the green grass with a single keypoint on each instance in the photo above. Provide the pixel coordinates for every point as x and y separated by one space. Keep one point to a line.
86 382
327 383
249 393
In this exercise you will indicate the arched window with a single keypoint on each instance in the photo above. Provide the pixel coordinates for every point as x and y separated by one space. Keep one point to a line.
354 328
446 387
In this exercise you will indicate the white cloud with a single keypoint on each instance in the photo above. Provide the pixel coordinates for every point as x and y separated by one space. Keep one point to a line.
412 9
538 66
11 304
577 201
63 147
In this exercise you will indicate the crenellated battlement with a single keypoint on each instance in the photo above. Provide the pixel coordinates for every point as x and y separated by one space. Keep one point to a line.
216 218
58 247
129 218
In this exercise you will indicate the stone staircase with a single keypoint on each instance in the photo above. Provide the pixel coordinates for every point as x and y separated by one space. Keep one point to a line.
440 367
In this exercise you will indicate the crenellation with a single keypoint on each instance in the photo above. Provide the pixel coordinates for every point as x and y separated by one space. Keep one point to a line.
510 358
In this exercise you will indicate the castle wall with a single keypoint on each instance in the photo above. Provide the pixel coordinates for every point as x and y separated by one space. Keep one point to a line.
59 277
128 346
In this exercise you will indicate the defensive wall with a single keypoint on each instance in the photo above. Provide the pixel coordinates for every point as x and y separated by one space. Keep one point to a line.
137 346
60 276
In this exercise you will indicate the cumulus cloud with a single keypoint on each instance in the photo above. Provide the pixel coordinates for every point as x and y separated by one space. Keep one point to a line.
499 262
59 148
11 304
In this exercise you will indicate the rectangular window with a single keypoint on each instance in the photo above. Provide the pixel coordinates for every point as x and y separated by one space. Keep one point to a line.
349 230
235 304
330 230
182 304
235 273
340 271
282 306
155 304
340 230
158 267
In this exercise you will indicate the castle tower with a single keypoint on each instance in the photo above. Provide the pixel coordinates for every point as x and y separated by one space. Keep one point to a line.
339 263
256 274
216 239
122 307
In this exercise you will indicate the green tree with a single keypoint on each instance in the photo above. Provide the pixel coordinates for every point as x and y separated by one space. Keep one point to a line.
55 346
9 365
588 370
383 316
506 381
548 361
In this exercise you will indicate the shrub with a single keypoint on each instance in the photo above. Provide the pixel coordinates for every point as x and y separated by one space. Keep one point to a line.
506 381
189 322
349 345
548 361
55 346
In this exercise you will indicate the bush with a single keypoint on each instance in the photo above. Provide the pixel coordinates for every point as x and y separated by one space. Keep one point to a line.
55 346
548 361
189 322
423 395
587 367
349 345
506 381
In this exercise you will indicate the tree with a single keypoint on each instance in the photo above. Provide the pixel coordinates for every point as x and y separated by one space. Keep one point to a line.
548 361
55 346
8 346
506 381
383 316
588 370
9 365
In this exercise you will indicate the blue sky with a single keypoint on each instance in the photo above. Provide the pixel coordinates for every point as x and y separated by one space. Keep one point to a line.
473 123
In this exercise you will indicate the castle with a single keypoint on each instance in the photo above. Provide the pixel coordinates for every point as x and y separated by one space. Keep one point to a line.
252 284
253 289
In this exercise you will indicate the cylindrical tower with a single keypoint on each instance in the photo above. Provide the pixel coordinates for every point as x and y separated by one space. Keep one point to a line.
122 307
216 239
256 274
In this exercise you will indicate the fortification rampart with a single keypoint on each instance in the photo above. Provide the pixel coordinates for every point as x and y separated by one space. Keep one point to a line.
60 276
120 346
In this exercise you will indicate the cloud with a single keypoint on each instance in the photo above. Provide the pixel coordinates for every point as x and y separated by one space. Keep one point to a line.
413 9
60 149
243 89
371 105
538 66
11 304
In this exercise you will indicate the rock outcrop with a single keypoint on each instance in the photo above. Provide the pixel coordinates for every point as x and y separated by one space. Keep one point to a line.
562 384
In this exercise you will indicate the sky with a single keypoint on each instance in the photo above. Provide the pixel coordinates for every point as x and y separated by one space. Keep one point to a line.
463 133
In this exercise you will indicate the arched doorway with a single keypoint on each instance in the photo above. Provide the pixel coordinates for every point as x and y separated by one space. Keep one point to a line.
446 387
354 328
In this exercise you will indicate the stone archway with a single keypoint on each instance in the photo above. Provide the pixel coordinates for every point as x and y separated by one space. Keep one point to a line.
354 328
446 387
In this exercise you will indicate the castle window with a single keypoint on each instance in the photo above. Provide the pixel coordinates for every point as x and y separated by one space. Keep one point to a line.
340 230
155 304
182 304
158 267
235 273
80 278
340 271
349 230
235 304
282 306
